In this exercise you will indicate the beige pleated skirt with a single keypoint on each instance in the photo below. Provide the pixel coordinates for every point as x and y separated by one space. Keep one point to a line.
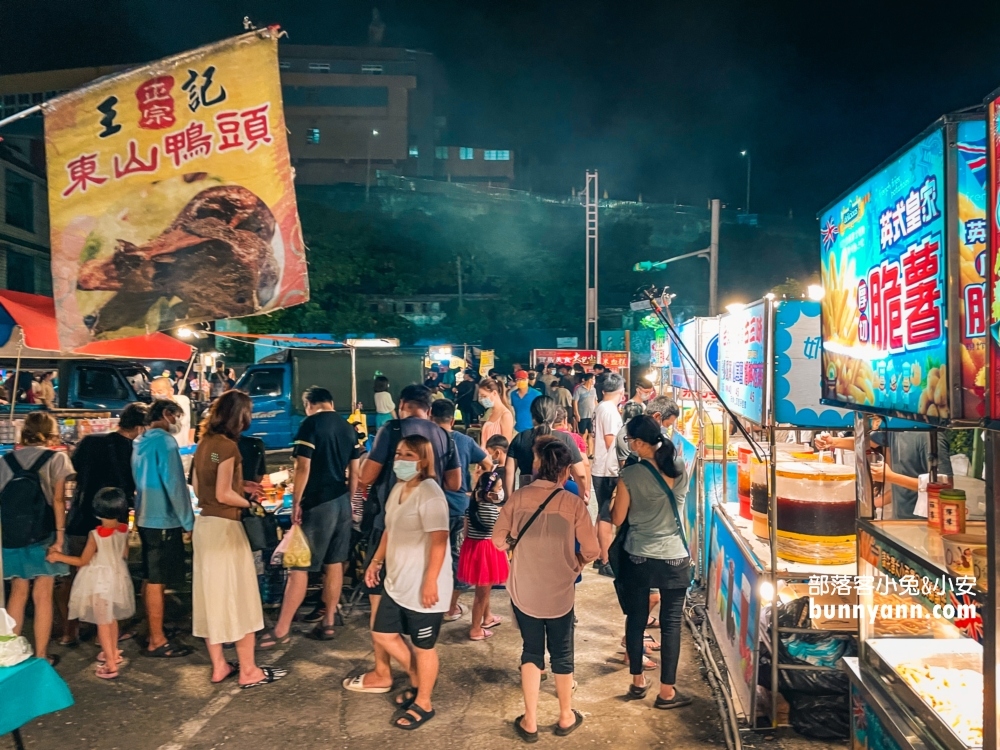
225 595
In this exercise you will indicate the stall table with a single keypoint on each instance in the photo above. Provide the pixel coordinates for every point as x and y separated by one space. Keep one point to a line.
30 689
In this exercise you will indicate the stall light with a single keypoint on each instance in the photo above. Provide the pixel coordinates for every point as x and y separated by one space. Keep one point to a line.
185 333
373 343
735 307
766 591
769 295
815 292
440 353
653 375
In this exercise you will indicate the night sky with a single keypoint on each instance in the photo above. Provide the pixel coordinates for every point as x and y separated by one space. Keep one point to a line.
661 97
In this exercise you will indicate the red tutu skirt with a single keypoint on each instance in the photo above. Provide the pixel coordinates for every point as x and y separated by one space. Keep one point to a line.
480 563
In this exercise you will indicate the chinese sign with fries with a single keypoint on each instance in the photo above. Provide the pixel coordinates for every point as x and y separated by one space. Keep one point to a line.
171 196
884 270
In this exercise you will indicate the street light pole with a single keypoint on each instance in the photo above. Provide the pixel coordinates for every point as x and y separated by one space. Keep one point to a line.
747 155
368 171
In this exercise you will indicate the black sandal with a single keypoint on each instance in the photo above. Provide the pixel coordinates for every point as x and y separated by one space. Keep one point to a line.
652 624
168 650
563 731
637 693
271 674
676 702
267 640
404 700
524 734
420 718
322 633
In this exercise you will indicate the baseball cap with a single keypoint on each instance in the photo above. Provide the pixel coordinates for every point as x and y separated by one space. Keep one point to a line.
521 375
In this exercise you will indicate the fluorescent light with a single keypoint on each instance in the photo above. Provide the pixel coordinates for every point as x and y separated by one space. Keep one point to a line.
439 353
185 333
815 292
373 343
735 307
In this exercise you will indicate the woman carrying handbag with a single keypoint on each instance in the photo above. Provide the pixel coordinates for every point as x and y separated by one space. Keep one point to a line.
653 554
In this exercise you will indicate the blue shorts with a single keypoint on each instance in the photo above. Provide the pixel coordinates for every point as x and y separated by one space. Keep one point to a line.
29 562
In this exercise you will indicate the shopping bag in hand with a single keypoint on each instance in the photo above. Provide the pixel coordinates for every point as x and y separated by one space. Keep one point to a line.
293 552
13 648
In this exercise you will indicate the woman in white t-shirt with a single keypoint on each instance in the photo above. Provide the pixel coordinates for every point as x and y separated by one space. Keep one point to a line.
385 409
418 585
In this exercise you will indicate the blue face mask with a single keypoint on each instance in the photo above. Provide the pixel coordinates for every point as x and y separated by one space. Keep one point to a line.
404 470
487 403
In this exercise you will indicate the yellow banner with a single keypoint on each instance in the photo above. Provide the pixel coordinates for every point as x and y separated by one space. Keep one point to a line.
170 195
486 362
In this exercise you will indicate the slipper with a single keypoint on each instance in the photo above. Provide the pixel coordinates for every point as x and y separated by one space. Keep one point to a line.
102 659
649 645
357 685
677 701
168 651
523 733
405 699
271 674
413 722
234 669
322 633
637 693
496 622
454 618
486 634
106 673
268 640
559 731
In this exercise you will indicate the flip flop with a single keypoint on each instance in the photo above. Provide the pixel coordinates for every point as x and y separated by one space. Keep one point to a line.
486 634
455 618
524 734
105 672
357 685
652 623
559 731
234 669
496 622
414 722
271 674
102 659
168 650
677 701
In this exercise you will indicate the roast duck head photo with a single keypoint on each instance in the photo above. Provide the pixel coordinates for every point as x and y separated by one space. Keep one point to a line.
214 260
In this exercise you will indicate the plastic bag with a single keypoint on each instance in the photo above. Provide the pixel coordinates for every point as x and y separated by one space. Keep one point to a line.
821 717
13 648
293 551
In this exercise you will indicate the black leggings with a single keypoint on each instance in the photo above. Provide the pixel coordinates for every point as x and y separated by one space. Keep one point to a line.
636 581
534 633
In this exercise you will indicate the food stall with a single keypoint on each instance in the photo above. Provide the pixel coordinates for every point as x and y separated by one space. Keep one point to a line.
904 335
618 362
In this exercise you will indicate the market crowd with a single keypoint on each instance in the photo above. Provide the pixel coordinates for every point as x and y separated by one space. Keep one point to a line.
414 517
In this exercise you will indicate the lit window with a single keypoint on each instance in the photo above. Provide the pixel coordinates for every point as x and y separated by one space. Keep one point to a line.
441 152
284 65
496 155
312 136
414 152
465 154
371 69
319 67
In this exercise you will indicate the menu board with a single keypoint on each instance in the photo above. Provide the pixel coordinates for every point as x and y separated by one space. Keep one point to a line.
701 338
884 274
742 356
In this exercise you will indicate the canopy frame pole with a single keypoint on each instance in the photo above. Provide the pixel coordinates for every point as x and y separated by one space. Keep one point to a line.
354 380
17 375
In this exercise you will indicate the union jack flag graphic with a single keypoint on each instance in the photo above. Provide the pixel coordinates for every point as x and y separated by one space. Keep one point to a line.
971 626
974 154
829 233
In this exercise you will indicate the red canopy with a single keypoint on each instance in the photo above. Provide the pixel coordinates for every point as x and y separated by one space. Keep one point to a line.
35 315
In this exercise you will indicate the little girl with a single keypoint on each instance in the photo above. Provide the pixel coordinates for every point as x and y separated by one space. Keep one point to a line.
480 563
385 409
102 592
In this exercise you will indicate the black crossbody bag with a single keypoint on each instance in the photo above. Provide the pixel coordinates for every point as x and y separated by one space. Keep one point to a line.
511 541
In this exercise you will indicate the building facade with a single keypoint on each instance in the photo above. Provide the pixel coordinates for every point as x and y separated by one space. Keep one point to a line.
25 259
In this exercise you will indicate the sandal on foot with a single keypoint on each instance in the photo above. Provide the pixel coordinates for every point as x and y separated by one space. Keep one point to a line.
168 650
105 672
271 674
523 733
267 639
652 624
126 635
448 617
416 719
637 693
357 685
234 669
677 701
495 622
405 699
53 660
649 644
486 634
322 633
72 643
559 731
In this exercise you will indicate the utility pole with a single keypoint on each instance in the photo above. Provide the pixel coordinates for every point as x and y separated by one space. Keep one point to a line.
590 203
368 171
458 264
746 154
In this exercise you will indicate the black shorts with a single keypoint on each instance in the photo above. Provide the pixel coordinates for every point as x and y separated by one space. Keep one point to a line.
585 425
327 527
162 556
422 627
604 488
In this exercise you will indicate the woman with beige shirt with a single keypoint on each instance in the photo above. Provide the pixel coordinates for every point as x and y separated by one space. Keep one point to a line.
541 524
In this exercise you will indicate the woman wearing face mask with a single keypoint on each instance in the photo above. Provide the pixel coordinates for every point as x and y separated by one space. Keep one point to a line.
418 584
499 420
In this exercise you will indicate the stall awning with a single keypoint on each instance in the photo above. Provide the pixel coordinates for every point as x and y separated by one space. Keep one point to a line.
34 316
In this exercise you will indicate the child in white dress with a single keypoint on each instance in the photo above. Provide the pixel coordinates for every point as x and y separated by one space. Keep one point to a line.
103 592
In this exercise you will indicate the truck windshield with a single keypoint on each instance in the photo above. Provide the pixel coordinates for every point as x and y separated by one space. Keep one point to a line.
138 379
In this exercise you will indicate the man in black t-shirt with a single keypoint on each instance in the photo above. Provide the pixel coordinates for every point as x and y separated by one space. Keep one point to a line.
326 475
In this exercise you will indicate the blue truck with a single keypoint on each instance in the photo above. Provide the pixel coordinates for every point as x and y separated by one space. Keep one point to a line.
276 383
90 384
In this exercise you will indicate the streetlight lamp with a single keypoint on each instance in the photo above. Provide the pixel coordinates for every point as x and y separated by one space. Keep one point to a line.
746 154
368 171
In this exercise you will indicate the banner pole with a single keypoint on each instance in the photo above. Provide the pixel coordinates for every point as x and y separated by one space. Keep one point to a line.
21 115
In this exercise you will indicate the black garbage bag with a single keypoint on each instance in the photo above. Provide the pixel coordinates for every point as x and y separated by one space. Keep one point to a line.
821 717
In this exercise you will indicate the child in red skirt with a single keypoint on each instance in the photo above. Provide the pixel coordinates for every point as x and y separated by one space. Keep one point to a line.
480 563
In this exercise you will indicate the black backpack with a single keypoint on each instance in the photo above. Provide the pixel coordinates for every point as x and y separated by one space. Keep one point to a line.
26 517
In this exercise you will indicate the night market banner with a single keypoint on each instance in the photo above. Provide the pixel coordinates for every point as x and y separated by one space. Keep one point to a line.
170 195
742 354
